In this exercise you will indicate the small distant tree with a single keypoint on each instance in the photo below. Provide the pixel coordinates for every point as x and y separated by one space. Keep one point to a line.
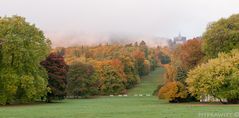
139 61
170 73
143 47
146 69
57 71
164 59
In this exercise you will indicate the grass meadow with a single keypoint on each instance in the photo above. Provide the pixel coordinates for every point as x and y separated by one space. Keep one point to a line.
122 106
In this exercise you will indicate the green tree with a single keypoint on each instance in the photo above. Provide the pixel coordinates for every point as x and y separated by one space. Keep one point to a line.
23 47
82 80
221 36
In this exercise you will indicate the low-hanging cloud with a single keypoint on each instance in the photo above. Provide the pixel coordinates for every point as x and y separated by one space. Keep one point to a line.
94 21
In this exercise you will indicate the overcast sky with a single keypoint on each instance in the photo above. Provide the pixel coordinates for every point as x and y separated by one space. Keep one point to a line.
164 18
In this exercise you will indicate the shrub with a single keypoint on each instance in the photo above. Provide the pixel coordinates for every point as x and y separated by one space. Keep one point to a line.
173 91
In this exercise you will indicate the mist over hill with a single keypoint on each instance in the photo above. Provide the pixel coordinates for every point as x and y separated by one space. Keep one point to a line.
90 39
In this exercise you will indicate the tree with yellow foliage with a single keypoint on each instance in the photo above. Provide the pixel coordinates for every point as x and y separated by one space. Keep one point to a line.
218 78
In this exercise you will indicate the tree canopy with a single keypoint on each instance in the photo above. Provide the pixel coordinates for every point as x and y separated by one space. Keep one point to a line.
218 78
23 47
221 36
57 71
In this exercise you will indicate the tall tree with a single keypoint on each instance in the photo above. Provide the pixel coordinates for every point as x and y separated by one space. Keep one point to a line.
57 71
218 78
221 36
23 47
190 53
143 47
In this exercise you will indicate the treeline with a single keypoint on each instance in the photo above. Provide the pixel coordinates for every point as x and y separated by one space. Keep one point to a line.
31 71
207 66
108 69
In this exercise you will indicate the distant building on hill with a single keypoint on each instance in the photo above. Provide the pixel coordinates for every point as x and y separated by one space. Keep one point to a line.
179 39
176 41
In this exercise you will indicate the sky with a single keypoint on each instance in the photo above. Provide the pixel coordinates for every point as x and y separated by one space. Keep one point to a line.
161 18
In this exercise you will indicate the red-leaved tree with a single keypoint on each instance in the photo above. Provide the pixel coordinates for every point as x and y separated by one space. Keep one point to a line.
57 70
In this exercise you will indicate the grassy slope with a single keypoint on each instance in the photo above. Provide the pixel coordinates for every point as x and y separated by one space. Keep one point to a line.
116 107
148 83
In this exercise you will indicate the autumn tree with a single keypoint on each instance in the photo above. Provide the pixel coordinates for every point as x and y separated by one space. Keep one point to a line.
143 47
171 72
218 78
139 61
146 69
173 91
130 71
190 53
221 36
112 78
57 71
23 47
82 80
185 57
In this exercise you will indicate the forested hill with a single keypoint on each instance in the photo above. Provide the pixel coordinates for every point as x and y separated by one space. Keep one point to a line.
109 69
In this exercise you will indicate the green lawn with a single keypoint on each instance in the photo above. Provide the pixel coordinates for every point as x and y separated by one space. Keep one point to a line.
148 83
119 107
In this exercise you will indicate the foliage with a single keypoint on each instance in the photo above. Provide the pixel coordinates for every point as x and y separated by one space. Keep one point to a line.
23 47
185 57
146 67
170 73
221 36
130 71
181 75
125 64
218 78
57 71
173 91
82 80
112 77
139 60
126 107
164 58
190 53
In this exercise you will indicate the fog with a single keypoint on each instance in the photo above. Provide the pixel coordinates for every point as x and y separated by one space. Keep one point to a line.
72 22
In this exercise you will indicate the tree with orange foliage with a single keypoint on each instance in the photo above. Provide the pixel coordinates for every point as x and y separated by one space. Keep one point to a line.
170 73
111 75
190 53
173 91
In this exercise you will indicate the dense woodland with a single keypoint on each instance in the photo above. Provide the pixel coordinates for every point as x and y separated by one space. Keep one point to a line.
108 69
30 70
